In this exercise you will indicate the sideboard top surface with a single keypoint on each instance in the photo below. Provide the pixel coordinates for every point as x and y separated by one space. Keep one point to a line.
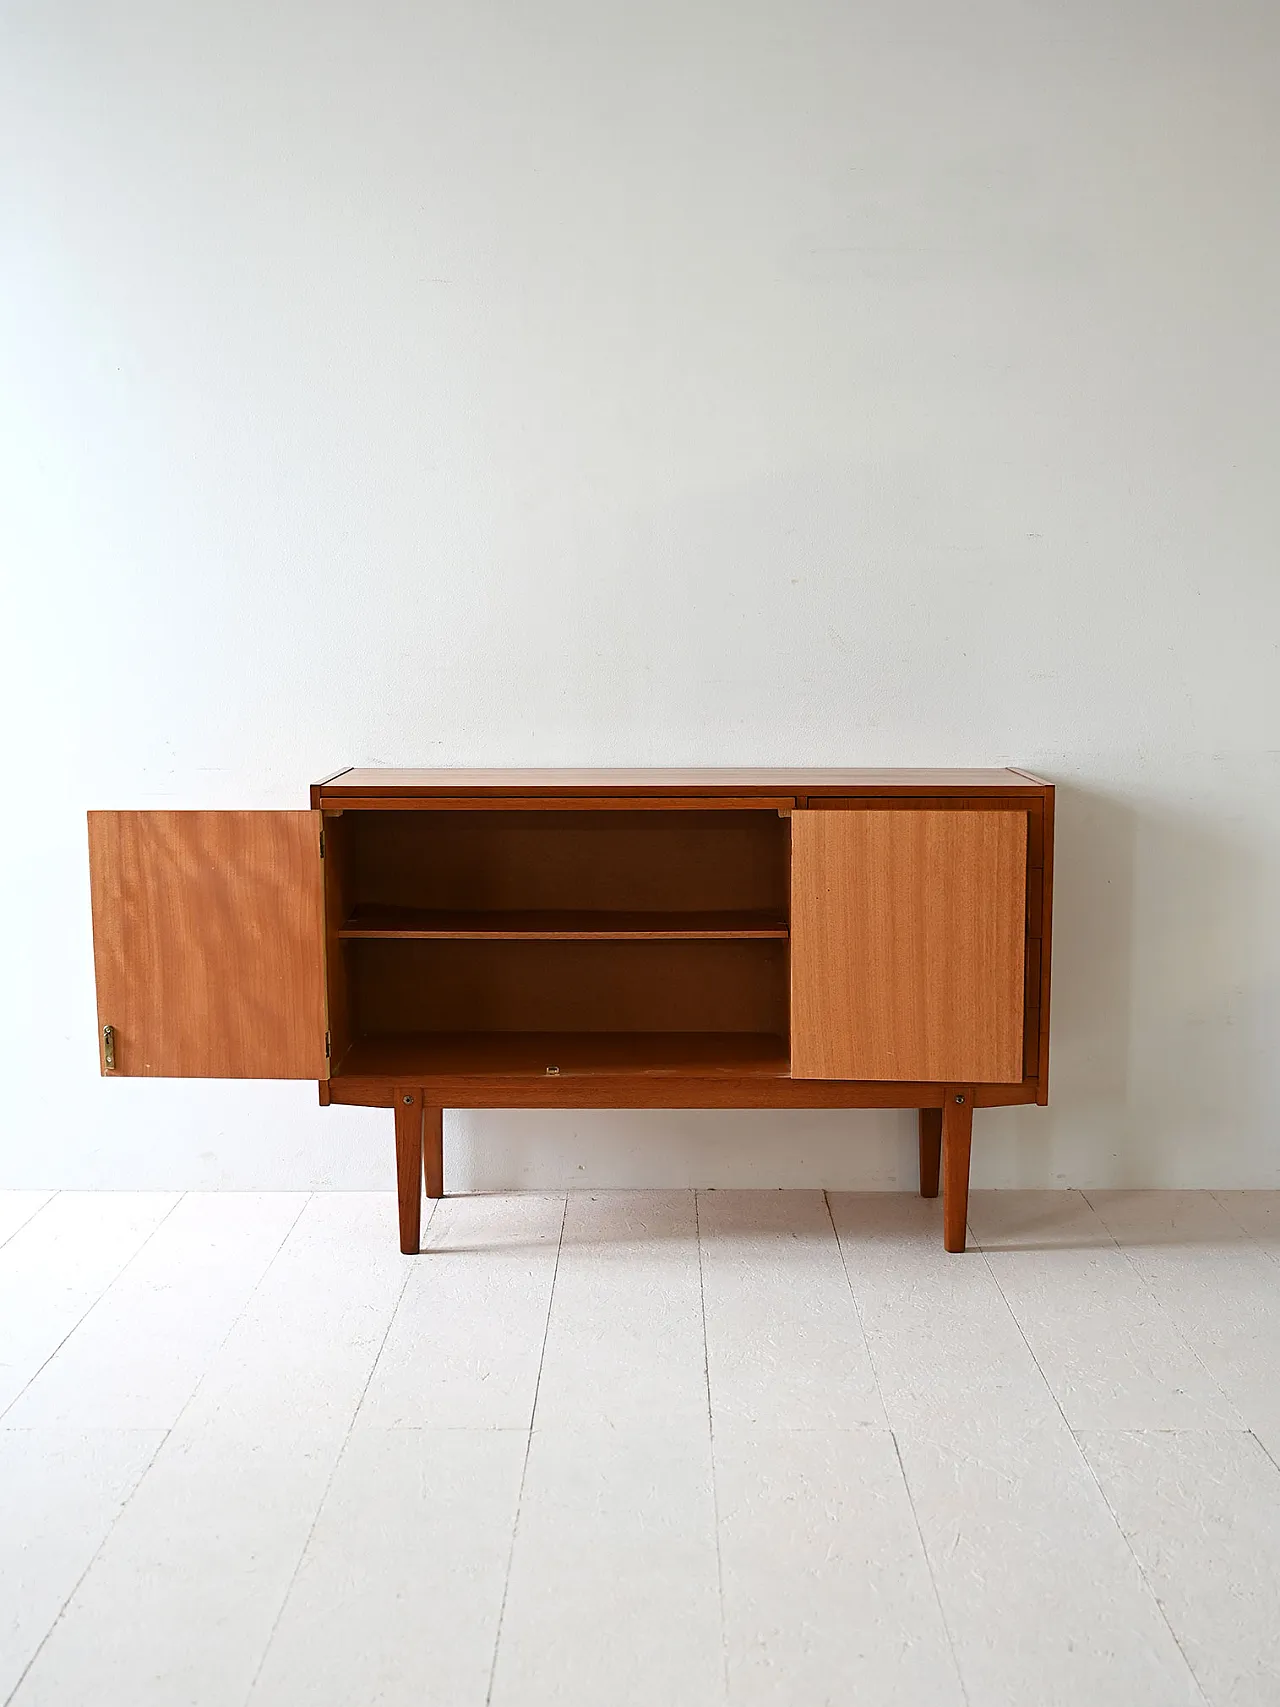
389 783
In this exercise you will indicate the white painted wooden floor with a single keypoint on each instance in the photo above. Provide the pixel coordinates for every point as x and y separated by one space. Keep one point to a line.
753 1447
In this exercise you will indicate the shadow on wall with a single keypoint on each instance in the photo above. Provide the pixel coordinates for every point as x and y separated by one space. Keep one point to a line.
1093 903
1160 1057
1203 1078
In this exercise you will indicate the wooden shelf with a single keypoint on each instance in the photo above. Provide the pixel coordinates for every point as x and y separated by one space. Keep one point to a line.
580 925
530 1053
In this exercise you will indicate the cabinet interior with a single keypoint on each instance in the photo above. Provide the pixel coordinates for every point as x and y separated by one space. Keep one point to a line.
518 940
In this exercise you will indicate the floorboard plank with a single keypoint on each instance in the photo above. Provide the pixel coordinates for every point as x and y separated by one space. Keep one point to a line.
182 1292
400 1590
1213 1279
613 1591
17 1208
60 1493
1201 1509
1112 1355
827 1591
625 1346
785 1347
56 1267
180 1602
466 1346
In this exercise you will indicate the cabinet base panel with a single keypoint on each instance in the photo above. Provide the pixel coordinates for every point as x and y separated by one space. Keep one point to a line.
655 1090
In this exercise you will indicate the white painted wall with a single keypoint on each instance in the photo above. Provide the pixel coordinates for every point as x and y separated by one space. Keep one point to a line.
802 382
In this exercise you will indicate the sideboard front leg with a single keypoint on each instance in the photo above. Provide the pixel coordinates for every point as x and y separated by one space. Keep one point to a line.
408 1107
433 1149
957 1138
930 1150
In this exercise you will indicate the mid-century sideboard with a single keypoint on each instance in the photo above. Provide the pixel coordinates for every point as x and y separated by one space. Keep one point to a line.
422 940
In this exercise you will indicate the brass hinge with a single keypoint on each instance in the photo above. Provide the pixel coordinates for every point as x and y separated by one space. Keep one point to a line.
326 1045
322 844
109 1048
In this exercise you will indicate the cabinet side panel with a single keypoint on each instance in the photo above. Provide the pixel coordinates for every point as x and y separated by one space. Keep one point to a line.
1046 948
208 942
337 904
908 945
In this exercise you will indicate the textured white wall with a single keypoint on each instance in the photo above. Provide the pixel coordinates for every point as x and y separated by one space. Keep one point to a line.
796 382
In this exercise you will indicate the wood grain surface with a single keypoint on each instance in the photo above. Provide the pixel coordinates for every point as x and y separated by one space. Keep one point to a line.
647 985
208 932
930 1143
908 945
957 1145
566 924
1044 880
392 1065
619 861
371 782
409 1169
433 1149
598 1053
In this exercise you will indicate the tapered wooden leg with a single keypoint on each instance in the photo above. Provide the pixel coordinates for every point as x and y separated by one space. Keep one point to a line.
408 1107
930 1150
957 1138
433 1149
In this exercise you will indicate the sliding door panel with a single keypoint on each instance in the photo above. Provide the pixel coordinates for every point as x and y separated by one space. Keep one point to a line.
908 945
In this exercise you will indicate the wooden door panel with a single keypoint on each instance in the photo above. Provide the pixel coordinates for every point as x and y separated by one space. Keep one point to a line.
208 934
907 945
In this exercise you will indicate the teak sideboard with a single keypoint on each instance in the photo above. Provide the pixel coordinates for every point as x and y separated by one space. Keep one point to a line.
422 940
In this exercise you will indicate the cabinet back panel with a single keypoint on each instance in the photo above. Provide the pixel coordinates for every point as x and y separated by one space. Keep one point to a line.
618 860
403 986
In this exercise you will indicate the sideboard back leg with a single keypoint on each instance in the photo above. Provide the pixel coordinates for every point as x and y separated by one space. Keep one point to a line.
957 1138
433 1149
409 1153
930 1150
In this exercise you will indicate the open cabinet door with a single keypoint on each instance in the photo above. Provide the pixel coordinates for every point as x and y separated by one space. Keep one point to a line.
208 938
908 945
